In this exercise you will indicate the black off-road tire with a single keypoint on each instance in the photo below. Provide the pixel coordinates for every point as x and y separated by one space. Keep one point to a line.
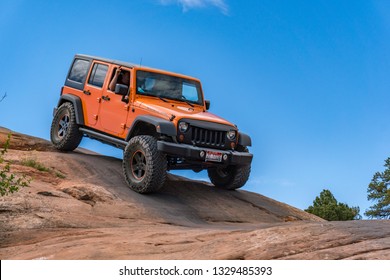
231 177
143 165
64 132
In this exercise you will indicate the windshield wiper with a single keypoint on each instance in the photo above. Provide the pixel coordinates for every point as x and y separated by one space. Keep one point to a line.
163 99
182 98
153 95
186 101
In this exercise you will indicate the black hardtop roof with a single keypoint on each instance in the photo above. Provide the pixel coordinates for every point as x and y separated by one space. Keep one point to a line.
128 64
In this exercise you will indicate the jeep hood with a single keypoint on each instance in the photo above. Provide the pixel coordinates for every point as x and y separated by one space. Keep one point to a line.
180 110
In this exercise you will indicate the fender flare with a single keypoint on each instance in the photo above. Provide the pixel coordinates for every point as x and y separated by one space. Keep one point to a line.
77 104
162 126
244 140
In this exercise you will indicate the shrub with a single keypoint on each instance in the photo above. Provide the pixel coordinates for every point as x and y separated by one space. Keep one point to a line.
9 182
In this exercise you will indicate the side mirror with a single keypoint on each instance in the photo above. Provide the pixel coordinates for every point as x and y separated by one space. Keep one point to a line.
121 89
207 104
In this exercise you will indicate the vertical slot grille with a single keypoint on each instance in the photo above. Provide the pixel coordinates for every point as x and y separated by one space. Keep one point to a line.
210 138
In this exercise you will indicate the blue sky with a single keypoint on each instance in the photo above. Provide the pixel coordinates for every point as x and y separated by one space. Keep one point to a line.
308 80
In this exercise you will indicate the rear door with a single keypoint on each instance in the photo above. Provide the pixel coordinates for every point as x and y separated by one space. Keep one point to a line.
93 91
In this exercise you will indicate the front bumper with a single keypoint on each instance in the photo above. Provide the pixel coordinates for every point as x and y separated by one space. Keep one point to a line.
194 153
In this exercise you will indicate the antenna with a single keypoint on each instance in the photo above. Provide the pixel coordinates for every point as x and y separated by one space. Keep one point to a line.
140 63
4 96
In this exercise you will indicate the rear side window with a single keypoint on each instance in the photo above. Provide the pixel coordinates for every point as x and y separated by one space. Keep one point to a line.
79 70
98 75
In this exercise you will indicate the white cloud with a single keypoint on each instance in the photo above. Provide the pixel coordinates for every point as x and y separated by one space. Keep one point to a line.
193 4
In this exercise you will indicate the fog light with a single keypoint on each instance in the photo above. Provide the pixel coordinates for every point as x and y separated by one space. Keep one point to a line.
225 157
202 154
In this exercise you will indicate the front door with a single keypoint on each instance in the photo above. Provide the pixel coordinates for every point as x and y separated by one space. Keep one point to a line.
113 111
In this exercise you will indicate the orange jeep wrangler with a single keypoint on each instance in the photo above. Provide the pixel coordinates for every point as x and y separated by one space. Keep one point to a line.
160 119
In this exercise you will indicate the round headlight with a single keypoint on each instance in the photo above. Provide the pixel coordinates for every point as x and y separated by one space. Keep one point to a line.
231 135
183 127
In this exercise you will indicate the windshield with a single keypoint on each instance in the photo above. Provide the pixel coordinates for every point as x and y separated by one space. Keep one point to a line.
170 87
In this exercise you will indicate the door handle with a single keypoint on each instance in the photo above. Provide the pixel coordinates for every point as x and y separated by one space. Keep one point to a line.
87 92
107 98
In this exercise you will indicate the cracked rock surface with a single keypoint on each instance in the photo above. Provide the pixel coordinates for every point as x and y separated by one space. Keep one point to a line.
81 208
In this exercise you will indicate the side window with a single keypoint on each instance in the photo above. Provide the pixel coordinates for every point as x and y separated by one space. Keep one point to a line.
98 75
79 70
123 79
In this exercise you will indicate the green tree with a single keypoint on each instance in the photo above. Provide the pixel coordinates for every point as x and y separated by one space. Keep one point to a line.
327 207
379 191
9 182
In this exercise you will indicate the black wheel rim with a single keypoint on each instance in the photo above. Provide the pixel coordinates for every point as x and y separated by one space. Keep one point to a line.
138 165
63 126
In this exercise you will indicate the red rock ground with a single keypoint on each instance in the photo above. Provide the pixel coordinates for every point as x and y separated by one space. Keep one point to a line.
81 208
